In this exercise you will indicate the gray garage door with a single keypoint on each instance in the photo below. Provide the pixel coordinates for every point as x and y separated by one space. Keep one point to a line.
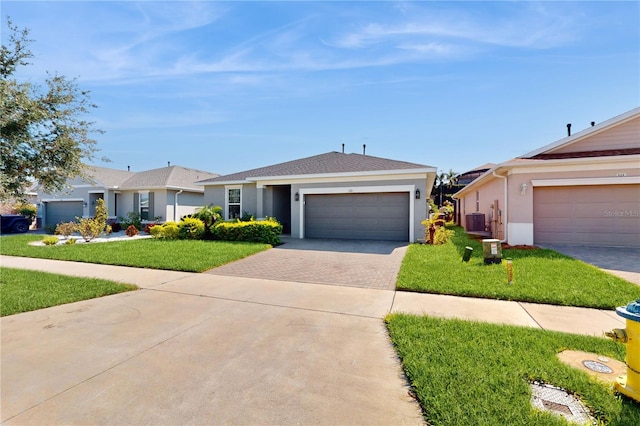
606 215
378 216
62 211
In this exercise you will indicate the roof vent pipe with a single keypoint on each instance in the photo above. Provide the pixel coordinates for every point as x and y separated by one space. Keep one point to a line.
593 123
364 149
343 148
168 163
128 168
568 129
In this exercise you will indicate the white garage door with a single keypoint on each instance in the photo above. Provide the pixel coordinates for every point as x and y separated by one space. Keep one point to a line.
607 215
62 211
375 216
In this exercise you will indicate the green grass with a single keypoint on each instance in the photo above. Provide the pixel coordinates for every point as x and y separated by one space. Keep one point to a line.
540 276
176 255
23 291
467 373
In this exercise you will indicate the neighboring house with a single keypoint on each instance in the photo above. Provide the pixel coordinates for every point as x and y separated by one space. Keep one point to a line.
168 193
583 189
464 179
332 195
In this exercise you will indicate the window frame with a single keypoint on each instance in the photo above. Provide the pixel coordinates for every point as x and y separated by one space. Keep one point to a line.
228 203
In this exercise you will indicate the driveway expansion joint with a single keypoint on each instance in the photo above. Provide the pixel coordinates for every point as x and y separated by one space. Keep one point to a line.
275 305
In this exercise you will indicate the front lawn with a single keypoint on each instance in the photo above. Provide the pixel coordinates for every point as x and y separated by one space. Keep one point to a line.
540 276
467 373
23 291
176 255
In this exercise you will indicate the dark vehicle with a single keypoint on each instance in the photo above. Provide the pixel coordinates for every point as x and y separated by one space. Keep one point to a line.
14 223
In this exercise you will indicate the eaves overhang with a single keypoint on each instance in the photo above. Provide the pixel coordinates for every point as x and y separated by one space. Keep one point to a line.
320 176
533 166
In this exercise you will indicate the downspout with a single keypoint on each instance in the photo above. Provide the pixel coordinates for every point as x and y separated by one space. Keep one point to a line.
506 208
175 205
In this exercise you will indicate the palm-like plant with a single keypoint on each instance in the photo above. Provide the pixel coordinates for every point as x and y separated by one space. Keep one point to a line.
208 215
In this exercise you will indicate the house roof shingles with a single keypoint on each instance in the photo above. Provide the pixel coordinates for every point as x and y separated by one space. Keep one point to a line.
329 163
108 177
171 176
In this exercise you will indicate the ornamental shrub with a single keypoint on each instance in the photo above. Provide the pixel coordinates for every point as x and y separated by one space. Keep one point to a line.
70 241
190 228
157 232
131 231
133 218
263 231
65 229
148 227
101 213
90 228
50 241
170 231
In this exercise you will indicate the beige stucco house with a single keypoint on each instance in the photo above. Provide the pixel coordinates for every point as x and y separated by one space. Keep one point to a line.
167 192
583 189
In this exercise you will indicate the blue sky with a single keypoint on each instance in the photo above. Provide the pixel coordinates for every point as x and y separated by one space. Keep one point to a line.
230 86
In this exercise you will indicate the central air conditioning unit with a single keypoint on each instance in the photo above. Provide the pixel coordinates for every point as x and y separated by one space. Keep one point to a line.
475 222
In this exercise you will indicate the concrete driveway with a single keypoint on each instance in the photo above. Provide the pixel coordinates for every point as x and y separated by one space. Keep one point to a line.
205 349
621 261
364 264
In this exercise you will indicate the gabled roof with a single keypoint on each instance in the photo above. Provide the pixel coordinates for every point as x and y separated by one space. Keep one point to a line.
176 177
108 177
323 164
168 177
569 140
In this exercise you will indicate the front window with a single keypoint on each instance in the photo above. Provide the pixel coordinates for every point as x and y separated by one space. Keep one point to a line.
234 203
144 205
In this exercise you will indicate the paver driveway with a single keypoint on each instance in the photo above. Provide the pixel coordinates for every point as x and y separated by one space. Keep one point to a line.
364 264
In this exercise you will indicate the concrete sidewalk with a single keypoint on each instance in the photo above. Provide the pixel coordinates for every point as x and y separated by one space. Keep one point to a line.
375 303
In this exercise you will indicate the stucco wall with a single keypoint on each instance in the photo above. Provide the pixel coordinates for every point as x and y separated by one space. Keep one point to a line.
483 203
216 195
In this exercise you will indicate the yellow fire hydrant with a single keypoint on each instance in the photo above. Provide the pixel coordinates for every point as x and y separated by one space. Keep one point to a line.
629 384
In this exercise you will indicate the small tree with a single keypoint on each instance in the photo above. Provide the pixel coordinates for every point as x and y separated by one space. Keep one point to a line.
43 133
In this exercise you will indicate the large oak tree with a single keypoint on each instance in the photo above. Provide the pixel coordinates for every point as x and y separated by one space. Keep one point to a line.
44 133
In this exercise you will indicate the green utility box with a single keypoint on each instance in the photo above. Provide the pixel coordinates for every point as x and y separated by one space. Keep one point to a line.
492 251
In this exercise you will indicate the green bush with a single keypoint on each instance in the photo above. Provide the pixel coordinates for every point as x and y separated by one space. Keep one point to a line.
28 210
190 228
157 231
50 241
133 218
170 231
264 231
70 241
